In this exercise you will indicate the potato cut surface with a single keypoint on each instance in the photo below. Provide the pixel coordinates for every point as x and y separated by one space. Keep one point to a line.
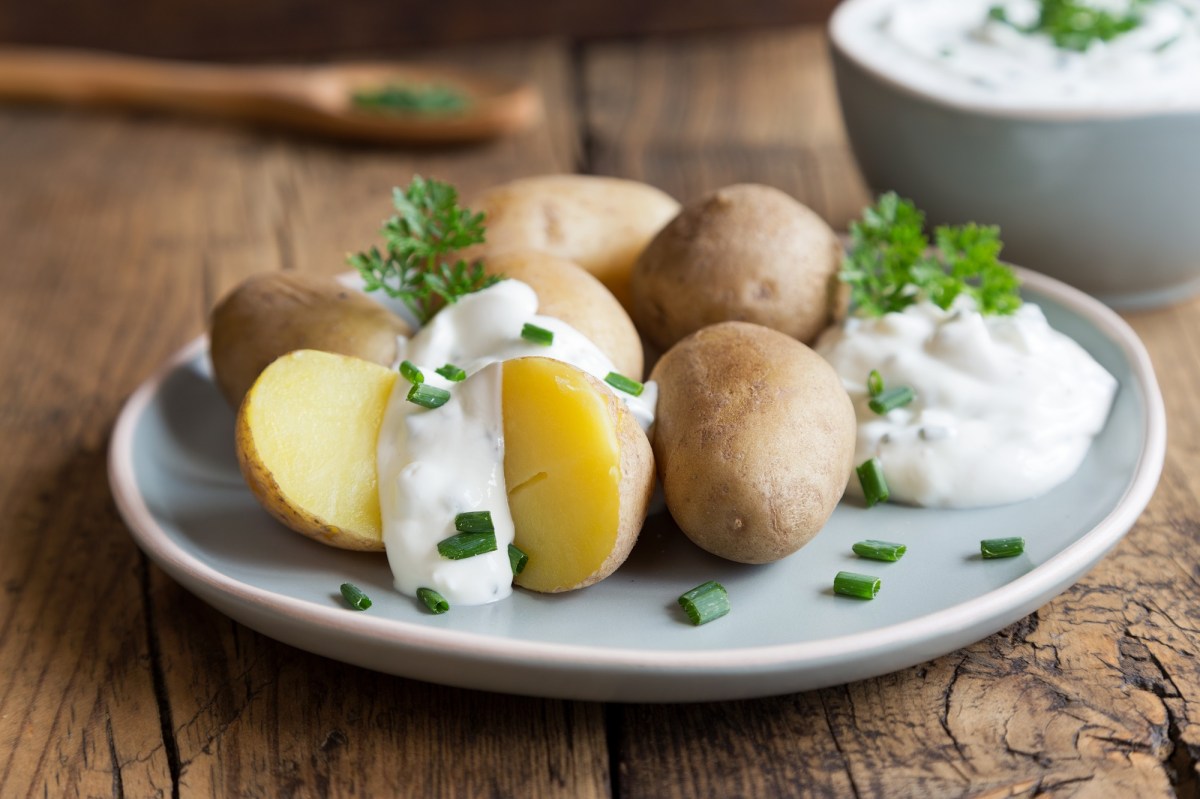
562 466
307 439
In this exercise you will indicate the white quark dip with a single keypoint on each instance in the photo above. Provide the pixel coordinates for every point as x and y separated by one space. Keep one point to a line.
954 49
1006 407
435 463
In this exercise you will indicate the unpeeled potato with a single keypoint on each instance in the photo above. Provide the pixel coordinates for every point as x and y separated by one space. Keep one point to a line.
578 467
274 313
567 292
600 223
754 440
746 253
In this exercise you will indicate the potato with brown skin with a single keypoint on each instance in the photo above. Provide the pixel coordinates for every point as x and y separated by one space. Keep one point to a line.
743 253
754 440
566 292
600 223
275 313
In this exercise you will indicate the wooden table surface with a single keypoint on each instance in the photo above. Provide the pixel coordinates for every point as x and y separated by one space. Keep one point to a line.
117 233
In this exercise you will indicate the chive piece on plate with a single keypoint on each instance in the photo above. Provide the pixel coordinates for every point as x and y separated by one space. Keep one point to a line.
705 602
538 335
879 550
355 597
874 383
891 399
433 600
622 383
466 545
870 477
452 373
474 521
1001 547
863 586
517 559
428 396
411 373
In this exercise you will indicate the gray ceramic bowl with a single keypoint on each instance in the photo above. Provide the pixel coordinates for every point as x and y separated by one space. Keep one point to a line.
1106 200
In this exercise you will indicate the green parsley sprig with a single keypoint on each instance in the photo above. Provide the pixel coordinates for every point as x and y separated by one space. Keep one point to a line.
1074 25
401 99
890 264
419 240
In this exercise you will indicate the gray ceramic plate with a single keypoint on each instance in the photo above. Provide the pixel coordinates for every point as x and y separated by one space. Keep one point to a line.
176 482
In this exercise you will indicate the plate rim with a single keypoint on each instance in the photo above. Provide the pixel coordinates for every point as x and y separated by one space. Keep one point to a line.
403 635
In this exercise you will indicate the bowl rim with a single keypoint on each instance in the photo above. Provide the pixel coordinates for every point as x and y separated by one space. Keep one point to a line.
843 19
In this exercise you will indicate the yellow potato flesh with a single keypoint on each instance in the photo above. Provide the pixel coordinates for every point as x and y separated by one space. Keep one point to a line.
562 466
311 422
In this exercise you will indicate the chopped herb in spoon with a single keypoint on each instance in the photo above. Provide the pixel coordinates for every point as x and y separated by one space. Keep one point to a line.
417 264
890 264
1073 25
400 99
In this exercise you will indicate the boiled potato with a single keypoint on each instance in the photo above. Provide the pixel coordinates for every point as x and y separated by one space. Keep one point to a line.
754 440
274 313
565 291
743 253
579 469
579 472
306 436
600 223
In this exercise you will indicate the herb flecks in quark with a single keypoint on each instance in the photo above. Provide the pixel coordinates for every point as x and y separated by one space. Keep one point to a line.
1074 25
417 264
891 266
397 98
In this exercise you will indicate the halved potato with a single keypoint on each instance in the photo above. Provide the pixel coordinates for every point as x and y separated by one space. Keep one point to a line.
579 468
306 435
579 473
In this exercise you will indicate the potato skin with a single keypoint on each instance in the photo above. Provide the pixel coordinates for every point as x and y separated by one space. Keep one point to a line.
754 440
567 292
274 313
600 223
743 253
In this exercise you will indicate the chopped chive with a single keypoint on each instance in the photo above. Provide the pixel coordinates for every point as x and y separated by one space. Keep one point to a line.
433 600
891 399
622 383
517 559
355 597
879 550
863 586
474 521
466 545
538 335
1001 547
428 396
874 383
411 373
705 602
870 477
452 373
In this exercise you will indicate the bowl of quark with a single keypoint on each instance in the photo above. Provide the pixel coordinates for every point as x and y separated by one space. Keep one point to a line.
1088 159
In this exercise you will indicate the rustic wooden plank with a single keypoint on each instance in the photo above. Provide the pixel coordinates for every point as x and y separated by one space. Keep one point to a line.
1094 695
690 115
119 233
232 29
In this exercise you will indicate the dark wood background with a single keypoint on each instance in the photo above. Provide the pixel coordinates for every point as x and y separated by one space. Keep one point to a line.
254 29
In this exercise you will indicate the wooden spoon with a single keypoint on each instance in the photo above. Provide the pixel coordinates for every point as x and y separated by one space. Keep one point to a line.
315 99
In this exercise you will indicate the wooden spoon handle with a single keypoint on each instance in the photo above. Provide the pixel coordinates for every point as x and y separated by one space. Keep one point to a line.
82 78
